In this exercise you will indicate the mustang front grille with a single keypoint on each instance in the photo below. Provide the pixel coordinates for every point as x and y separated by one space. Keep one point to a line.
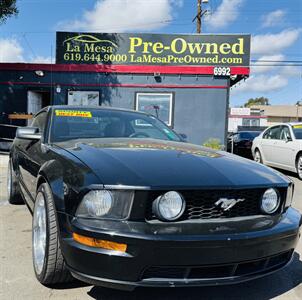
200 204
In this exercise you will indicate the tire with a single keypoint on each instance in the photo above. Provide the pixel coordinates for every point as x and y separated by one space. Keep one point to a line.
299 166
48 261
258 157
13 190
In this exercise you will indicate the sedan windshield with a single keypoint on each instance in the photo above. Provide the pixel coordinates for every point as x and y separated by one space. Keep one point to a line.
93 123
297 129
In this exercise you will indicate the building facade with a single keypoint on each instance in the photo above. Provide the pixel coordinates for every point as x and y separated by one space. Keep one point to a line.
246 118
163 75
277 114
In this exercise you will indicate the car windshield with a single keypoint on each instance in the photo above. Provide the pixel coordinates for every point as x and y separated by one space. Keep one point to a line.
297 129
84 123
249 135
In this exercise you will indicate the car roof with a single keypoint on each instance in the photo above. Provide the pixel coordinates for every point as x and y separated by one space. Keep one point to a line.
294 123
245 131
288 124
249 131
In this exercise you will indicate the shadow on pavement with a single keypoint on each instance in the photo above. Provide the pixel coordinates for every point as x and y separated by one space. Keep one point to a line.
264 288
75 284
287 173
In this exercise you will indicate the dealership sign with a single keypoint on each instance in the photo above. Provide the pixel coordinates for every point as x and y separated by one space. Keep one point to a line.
152 49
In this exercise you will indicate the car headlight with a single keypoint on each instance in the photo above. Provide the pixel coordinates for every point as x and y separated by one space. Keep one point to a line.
270 201
105 204
169 207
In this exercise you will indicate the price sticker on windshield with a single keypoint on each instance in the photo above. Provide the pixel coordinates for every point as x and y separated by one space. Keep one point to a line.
73 113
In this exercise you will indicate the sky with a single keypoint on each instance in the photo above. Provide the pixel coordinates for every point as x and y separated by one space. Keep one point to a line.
275 26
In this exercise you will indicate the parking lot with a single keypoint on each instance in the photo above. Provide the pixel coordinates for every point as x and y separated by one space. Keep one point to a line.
17 280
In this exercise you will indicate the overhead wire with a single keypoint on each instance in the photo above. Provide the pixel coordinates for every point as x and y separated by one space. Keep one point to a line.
171 22
29 46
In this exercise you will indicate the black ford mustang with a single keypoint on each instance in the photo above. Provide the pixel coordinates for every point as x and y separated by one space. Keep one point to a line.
119 200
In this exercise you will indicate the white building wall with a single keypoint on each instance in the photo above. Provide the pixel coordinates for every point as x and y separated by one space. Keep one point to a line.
234 123
263 122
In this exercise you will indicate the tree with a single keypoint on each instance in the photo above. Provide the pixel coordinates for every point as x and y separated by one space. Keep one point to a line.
8 9
257 101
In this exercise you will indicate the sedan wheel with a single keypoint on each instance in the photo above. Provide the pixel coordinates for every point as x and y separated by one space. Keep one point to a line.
257 157
299 167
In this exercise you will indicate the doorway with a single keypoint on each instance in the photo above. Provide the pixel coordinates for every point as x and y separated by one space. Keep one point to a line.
36 100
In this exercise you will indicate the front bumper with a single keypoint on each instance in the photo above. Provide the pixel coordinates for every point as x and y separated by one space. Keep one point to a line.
187 254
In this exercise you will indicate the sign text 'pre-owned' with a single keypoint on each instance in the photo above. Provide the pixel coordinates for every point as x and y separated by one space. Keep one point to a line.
152 49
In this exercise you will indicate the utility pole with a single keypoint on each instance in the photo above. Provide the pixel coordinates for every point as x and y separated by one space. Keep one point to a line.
199 15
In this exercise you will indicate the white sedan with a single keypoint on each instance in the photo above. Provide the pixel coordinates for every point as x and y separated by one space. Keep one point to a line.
280 146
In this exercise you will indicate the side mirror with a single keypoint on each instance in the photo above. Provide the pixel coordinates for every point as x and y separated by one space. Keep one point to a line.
28 133
288 139
183 136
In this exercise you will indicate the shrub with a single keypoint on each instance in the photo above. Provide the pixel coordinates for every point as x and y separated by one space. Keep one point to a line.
213 144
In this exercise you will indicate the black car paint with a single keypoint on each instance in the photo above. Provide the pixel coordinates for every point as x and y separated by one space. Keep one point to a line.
242 144
177 244
176 165
74 167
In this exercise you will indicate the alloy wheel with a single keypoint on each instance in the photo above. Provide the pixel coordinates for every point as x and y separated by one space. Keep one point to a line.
39 233
299 167
257 157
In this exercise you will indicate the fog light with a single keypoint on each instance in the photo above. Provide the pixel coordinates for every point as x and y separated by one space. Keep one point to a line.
92 242
270 201
169 207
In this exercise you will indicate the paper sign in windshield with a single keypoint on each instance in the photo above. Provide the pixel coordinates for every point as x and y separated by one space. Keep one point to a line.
73 113
297 126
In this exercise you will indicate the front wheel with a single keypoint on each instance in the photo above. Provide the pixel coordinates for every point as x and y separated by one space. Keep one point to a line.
48 261
299 166
257 157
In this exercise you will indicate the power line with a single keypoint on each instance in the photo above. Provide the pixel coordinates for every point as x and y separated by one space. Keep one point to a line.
276 61
120 26
29 46
279 65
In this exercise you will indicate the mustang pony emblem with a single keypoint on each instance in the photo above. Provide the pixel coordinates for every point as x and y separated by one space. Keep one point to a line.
226 203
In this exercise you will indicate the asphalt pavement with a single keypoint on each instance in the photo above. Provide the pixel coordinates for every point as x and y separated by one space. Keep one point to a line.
17 279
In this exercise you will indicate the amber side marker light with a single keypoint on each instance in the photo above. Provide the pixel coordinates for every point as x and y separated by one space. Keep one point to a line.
92 242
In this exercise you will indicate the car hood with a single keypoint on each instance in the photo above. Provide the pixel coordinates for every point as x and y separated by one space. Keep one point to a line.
165 164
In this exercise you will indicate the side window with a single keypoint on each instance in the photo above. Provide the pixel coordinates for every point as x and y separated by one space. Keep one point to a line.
266 135
273 133
40 121
285 133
